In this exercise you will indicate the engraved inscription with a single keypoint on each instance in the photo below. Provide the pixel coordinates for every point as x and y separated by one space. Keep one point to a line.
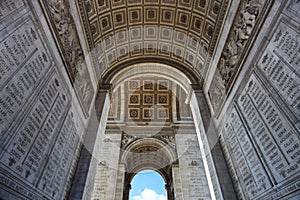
243 169
278 142
23 63
286 44
26 152
192 172
106 173
281 65
56 170
255 179
19 188
8 7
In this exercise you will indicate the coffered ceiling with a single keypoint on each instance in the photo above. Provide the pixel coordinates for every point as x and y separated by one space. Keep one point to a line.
149 99
185 31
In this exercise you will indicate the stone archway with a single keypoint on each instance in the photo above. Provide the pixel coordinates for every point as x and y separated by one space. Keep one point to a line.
148 153
193 170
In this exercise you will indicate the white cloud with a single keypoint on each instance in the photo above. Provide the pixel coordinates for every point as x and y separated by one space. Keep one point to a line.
149 194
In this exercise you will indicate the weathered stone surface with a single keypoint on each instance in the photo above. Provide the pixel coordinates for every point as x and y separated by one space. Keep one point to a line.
245 24
192 173
38 132
46 94
72 53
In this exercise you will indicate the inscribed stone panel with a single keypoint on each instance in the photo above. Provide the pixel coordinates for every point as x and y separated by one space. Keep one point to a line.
280 64
247 162
24 62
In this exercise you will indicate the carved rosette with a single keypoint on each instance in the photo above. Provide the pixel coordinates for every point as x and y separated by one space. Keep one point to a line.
236 45
71 49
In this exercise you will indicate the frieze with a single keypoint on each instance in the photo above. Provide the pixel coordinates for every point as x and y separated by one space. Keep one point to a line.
168 139
246 21
71 49
242 29
217 91
127 139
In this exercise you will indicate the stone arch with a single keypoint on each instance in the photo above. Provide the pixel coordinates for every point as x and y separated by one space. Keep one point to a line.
145 154
134 148
152 68
190 73
199 112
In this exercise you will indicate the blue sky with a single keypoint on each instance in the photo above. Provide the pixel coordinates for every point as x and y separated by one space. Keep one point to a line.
147 185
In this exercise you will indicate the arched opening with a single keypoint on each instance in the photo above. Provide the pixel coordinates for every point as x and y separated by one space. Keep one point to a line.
145 154
148 184
167 143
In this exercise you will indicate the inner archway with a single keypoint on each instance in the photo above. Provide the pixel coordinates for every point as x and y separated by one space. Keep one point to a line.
148 184
140 136
144 154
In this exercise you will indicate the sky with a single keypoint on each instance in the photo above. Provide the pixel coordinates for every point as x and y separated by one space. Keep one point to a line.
147 185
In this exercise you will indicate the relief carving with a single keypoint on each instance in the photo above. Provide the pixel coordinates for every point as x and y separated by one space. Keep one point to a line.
67 32
169 139
69 44
238 38
127 139
194 163
103 163
217 91
242 29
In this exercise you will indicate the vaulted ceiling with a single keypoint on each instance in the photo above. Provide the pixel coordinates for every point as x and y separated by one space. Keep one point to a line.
182 31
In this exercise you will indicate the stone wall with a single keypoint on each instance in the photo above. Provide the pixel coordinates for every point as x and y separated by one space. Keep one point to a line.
191 171
108 166
40 128
259 127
